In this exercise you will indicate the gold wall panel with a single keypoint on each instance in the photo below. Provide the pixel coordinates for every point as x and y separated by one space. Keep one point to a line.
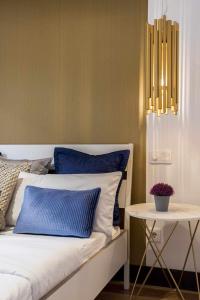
73 72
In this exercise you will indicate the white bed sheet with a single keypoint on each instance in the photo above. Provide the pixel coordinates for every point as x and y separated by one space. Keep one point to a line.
31 265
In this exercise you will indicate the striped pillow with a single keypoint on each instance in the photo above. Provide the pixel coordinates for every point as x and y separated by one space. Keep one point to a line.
58 212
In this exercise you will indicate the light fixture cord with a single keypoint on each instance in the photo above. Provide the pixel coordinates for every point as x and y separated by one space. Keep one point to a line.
162 8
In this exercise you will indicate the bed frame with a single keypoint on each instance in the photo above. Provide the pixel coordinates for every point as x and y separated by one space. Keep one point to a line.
89 280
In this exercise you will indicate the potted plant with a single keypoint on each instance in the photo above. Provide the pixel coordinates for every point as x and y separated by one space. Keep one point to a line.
162 193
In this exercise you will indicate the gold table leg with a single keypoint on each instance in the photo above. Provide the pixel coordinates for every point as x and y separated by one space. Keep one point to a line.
188 252
155 251
158 258
194 257
168 270
142 261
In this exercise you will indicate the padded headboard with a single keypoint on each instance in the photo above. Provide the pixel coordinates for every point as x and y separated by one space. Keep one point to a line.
42 151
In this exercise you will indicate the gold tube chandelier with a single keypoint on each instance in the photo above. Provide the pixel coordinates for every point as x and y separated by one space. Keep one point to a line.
162 57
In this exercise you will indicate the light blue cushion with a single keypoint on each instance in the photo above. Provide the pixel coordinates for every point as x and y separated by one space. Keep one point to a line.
57 212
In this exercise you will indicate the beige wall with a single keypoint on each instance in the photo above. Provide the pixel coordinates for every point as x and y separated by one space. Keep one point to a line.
71 72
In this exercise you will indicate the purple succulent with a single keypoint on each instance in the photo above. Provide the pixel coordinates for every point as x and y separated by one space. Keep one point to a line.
161 189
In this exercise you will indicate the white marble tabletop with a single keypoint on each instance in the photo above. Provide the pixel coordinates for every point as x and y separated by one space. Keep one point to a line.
176 212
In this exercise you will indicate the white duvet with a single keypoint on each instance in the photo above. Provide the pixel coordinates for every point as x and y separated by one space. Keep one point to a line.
30 266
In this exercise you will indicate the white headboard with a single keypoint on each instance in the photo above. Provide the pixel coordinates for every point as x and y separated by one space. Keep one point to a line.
42 151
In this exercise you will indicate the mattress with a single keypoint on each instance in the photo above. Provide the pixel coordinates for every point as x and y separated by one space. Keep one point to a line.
32 265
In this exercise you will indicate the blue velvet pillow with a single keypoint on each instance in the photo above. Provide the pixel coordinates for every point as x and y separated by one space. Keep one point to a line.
69 161
58 212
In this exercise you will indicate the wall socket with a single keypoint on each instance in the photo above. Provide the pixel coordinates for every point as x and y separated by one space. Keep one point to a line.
156 235
160 157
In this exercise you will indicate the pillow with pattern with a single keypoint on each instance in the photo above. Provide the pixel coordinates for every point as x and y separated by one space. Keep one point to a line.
8 180
37 166
2 221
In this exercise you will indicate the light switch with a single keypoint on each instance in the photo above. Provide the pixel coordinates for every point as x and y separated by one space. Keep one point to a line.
161 157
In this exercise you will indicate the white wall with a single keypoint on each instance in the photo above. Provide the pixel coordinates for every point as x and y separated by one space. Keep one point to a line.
181 133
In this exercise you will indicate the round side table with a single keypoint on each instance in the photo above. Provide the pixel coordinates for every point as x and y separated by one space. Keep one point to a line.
177 213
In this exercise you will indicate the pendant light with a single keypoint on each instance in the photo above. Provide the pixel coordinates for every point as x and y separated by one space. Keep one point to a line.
162 57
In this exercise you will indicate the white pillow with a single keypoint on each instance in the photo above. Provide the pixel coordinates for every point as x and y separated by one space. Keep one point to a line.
108 182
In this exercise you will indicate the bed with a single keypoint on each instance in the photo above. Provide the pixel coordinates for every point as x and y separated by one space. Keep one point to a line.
66 268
